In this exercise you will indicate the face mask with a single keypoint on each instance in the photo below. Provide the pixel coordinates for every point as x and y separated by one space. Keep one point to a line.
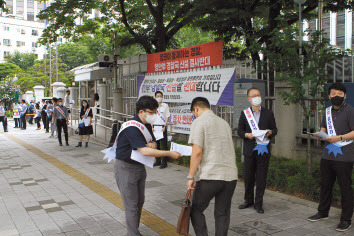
159 99
337 101
84 104
150 119
257 101
60 103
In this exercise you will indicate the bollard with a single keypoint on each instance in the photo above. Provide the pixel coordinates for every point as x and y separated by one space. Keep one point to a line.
115 127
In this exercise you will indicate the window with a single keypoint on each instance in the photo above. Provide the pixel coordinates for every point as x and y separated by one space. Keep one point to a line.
23 31
7 42
22 43
36 55
35 32
34 45
6 54
6 28
19 43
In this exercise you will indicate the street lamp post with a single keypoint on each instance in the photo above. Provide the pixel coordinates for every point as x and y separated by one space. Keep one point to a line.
300 2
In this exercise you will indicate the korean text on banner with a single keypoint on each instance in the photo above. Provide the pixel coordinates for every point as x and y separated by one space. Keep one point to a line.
216 85
203 55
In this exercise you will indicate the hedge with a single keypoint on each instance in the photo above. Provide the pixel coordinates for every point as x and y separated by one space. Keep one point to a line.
287 176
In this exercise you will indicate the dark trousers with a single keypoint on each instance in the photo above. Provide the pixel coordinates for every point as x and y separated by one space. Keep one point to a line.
17 122
162 145
330 170
44 119
38 122
255 171
48 120
3 119
205 191
131 180
23 122
62 124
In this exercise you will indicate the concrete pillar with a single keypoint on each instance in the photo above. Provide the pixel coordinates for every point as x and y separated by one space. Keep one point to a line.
38 92
74 95
117 102
29 96
288 119
56 86
102 92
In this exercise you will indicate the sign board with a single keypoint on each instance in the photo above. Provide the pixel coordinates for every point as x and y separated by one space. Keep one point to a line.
203 55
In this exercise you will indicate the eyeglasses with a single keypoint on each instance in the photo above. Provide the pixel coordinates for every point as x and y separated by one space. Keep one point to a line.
254 96
150 112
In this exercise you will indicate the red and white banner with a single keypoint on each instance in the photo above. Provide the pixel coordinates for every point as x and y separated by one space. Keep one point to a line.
203 55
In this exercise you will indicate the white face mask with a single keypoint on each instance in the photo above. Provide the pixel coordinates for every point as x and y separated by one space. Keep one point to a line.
257 101
60 103
159 99
150 119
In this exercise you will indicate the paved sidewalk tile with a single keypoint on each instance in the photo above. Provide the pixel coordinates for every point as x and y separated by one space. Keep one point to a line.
46 189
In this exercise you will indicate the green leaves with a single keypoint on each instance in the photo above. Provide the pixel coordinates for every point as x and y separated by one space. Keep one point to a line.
23 60
7 69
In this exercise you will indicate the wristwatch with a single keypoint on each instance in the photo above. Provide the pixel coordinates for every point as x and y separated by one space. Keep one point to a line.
188 178
341 138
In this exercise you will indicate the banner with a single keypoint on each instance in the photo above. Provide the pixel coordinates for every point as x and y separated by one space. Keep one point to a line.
203 55
182 118
215 85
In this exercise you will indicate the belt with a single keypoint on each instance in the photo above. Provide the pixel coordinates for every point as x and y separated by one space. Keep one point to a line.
159 125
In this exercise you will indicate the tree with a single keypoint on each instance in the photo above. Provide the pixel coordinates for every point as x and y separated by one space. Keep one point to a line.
306 74
2 5
7 69
152 24
22 59
74 54
254 21
35 76
8 89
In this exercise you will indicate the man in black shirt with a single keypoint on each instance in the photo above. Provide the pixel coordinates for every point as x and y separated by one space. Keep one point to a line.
131 175
337 158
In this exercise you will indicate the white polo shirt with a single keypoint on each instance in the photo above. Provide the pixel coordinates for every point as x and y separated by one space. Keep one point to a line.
163 113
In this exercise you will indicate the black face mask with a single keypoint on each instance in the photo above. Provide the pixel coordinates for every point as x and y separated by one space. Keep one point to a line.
337 101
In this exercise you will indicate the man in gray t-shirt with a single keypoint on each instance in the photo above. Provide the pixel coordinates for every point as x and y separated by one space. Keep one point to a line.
61 119
337 157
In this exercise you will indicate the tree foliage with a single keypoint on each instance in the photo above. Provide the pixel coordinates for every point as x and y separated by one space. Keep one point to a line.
151 23
74 54
36 76
23 60
8 89
7 69
254 21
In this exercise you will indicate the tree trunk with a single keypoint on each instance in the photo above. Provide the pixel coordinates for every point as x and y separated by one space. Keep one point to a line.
309 156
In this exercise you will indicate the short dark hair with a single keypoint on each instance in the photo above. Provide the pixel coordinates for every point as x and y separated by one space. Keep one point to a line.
146 102
337 86
43 100
68 91
60 99
23 100
253 88
200 102
55 99
158 92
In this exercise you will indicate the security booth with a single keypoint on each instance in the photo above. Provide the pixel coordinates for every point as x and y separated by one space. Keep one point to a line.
241 87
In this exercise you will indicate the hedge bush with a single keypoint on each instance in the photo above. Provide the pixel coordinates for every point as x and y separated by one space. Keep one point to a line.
286 175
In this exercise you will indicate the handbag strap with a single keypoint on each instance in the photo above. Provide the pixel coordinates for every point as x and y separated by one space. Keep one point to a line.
189 195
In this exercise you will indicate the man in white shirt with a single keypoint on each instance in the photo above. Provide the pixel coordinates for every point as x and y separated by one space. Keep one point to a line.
161 120
213 167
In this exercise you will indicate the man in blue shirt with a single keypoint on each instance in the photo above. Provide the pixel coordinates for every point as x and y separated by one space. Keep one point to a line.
131 175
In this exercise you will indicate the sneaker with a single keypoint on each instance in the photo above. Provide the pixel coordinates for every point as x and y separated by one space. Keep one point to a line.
343 226
317 217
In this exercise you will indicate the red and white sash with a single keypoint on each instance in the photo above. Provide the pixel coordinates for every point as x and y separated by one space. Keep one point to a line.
61 111
87 112
253 124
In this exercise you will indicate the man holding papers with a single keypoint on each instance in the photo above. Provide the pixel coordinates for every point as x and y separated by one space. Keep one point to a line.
135 141
256 127
337 156
213 167
160 128
61 119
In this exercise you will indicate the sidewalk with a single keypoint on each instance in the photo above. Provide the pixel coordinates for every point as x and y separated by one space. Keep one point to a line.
50 190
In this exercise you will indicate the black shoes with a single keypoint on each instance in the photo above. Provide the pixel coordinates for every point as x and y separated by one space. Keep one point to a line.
86 144
318 217
157 163
79 144
245 205
343 226
163 166
259 210
66 143
60 144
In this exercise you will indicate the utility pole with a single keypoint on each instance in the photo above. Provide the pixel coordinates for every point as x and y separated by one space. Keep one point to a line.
117 75
50 69
56 58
